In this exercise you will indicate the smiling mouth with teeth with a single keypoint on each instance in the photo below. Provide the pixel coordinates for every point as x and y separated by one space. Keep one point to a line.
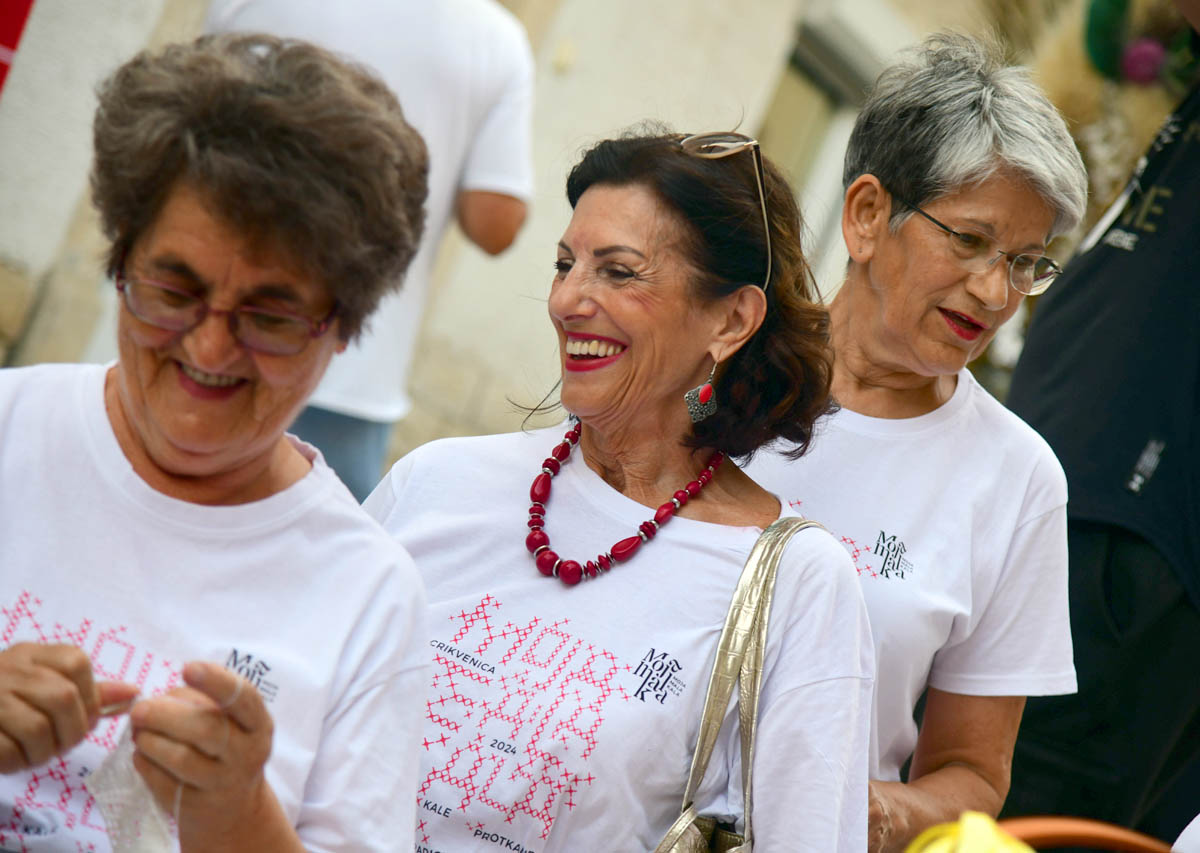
592 349
210 380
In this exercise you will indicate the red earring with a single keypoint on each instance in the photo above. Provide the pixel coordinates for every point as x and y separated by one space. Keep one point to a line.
700 400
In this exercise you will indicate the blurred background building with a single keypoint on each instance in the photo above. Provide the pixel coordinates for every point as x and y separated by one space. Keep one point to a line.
789 71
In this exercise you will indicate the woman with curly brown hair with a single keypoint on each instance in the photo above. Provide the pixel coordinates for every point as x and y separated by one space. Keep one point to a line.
573 638
162 535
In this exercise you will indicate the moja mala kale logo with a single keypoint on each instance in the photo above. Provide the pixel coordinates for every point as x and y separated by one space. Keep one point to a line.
892 550
658 673
253 670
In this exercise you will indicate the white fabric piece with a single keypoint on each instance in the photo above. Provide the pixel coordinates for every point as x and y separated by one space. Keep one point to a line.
564 718
1188 840
463 71
300 593
134 820
956 523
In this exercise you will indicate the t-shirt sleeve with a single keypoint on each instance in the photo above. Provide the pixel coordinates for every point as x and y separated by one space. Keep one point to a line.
815 710
384 498
1020 644
500 158
361 791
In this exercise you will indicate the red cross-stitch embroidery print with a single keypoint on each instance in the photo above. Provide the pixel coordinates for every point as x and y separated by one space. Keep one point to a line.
514 735
57 787
858 554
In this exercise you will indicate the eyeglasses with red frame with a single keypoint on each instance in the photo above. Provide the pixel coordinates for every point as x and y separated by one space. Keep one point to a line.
267 330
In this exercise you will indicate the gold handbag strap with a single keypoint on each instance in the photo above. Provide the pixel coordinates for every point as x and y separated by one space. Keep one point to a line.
740 652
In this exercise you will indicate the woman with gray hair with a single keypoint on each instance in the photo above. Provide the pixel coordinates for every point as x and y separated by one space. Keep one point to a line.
958 174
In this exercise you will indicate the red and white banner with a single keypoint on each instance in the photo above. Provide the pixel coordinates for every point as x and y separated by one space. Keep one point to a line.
13 14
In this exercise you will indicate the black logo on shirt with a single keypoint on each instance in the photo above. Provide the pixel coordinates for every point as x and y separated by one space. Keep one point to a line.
657 671
253 670
892 550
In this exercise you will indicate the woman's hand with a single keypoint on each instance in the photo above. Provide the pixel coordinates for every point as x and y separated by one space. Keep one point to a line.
201 750
881 817
49 702
962 760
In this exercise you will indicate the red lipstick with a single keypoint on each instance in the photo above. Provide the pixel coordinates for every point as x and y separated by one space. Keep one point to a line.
962 325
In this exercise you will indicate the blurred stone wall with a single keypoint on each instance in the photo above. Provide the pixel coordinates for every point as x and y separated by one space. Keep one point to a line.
50 245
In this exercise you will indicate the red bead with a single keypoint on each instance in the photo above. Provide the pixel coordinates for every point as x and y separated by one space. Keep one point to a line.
545 562
717 458
626 548
570 572
664 513
591 569
551 464
681 496
648 528
536 539
693 488
604 562
561 451
706 392
705 477
537 509
539 492
536 522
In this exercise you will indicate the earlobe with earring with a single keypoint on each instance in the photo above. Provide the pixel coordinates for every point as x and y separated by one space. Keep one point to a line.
702 400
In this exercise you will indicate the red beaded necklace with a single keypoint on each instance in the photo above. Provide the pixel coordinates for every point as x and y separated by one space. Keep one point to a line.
569 571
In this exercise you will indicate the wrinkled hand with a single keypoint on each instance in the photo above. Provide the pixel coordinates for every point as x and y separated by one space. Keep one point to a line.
880 829
201 750
49 702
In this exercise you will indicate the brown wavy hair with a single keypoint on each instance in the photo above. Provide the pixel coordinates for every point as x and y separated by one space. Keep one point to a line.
777 384
297 149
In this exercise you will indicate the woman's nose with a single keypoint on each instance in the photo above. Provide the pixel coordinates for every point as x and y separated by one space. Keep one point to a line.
991 287
211 345
570 296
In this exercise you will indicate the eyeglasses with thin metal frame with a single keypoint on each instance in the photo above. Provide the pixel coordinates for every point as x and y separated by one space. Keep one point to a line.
1028 273
714 146
270 331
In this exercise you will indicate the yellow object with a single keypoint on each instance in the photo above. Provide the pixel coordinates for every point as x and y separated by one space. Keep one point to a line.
974 832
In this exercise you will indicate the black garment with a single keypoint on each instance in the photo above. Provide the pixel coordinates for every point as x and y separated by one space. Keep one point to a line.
1110 376
1111 750
1109 371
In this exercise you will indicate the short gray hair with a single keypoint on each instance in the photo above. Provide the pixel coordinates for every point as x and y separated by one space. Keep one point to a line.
949 115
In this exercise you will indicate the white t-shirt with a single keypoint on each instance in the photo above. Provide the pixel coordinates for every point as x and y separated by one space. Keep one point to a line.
300 593
1188 840
463 72
956 523
564 718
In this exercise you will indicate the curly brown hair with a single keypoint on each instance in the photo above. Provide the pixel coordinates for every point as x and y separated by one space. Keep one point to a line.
777 384
296 148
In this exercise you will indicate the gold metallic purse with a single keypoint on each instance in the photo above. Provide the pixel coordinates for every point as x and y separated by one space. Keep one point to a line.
739 659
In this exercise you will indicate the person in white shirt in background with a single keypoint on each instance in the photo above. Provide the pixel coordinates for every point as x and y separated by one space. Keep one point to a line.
161 534
463 72
958 174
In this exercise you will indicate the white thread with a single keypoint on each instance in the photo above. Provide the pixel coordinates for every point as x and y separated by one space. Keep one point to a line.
133 820
237 691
